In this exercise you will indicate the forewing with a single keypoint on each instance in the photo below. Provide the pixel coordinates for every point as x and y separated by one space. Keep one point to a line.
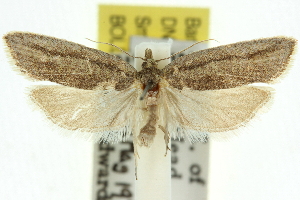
67 63
233 65
108 113
196 114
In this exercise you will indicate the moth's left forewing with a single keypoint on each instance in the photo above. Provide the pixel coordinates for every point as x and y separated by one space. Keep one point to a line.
229 66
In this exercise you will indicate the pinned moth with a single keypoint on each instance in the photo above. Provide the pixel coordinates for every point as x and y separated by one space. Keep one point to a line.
195 96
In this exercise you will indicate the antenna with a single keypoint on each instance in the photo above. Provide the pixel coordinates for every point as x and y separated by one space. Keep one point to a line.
185 49
117 48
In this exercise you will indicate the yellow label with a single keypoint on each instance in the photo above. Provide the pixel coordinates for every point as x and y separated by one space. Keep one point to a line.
118 23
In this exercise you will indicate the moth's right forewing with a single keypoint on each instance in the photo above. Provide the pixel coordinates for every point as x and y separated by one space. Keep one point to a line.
229 66
51 59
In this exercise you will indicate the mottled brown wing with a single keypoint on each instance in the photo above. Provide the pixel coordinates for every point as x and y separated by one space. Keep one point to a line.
232 65
50 59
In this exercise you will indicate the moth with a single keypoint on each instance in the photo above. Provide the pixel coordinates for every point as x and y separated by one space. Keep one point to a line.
203 93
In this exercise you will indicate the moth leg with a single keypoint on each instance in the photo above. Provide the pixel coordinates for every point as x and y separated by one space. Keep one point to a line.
145 109
136 156
166 137
136 153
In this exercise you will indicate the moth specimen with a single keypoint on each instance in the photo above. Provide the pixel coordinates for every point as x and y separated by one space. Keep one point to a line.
196 95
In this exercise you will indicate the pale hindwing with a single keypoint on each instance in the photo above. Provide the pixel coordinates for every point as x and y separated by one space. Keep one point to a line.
196 114
108 114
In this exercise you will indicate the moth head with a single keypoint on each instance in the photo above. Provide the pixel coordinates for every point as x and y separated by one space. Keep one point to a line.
149 62
148 54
